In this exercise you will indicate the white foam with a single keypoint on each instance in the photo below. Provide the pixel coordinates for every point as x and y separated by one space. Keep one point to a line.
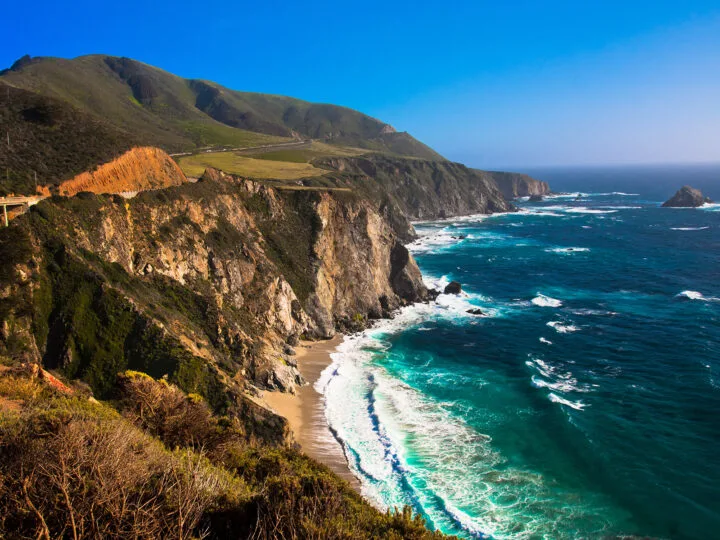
565 195
435 240
561 328
577 405
553 209
712 207
546 301
373 413
539 212
546 341
563 385
689 228
587 311
586 210
695 295
567 250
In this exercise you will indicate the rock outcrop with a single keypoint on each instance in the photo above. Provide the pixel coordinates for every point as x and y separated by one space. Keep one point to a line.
138 169
453 287
514 185
686 197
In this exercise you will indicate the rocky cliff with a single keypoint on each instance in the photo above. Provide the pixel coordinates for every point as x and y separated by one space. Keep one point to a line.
420 189
208 284
138 169
514 185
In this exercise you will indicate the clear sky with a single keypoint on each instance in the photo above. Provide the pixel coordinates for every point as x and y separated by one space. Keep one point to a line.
493 84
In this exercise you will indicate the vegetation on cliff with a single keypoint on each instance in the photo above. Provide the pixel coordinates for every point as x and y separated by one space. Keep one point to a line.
156 463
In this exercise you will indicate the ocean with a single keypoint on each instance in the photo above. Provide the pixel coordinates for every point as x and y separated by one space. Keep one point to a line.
584 402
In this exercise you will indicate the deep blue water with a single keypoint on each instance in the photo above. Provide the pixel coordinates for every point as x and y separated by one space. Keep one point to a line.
586 402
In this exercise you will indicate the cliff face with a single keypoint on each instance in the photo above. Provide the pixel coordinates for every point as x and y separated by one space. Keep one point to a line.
514 185
138 169
207 283
422 189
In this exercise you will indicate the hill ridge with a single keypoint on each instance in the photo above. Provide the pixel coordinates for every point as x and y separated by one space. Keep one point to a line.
181 114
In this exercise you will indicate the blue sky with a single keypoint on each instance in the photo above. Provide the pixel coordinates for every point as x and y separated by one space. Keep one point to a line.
492 84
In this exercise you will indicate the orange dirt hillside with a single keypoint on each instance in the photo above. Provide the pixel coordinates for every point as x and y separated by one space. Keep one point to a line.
138 169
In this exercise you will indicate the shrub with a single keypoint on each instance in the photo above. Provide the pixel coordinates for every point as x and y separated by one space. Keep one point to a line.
103 480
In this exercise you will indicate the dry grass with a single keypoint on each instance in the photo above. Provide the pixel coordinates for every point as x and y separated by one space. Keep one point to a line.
232 163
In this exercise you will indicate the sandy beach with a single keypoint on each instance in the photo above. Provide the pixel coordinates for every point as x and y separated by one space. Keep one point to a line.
305 410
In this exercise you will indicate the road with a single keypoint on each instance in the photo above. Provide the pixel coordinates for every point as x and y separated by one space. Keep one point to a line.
293 145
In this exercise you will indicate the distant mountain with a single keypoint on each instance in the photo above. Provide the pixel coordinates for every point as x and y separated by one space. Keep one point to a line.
178 114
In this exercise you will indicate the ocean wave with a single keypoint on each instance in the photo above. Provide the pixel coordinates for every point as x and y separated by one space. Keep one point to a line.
581 195
406 448
553 209
371 413
562 328
539 212
688 228
545 341
577 405
711 207
435 240
597 312
555 379
565 195
546 301
470 218
695 295
567 250
568 385
586 210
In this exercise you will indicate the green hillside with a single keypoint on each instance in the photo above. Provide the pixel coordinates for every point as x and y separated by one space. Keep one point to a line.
180 115
50 139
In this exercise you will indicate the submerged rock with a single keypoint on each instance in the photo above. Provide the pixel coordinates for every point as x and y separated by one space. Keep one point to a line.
536 198
453 287
686 197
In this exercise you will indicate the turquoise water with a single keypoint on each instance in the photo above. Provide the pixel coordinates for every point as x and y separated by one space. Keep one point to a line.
584 403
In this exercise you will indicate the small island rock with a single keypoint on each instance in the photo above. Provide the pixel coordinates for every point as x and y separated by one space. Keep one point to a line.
536 198
453 287
687 197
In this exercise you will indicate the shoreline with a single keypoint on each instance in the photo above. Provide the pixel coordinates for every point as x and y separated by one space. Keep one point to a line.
305 410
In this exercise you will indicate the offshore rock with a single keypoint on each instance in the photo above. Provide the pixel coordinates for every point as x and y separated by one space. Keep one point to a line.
686 197
453 287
